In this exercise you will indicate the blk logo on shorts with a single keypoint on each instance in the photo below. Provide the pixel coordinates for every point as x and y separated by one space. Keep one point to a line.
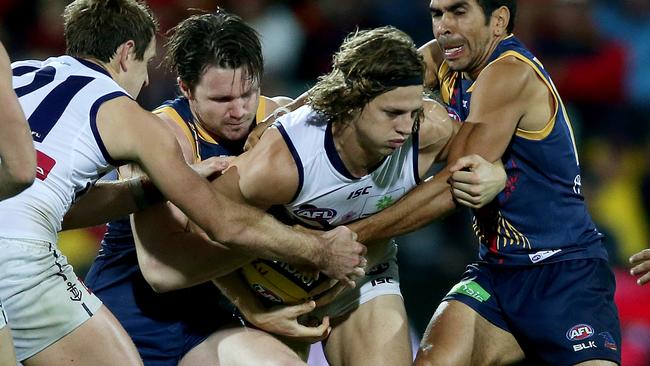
579 332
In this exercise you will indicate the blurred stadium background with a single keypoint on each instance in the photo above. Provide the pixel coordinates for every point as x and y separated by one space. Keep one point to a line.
598 53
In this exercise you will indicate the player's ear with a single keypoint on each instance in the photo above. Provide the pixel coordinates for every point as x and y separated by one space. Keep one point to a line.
184 88
500 19
124 53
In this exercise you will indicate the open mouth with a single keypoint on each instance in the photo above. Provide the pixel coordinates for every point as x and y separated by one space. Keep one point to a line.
453 52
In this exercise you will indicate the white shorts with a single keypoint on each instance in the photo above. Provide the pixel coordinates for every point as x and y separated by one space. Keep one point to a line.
43 298
382 279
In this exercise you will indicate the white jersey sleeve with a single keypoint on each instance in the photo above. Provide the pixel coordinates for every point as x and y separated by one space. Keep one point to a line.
60 98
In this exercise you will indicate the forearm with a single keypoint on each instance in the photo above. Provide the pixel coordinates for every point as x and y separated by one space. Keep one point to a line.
261 235
110 200
430 200
172 258
10 185
17 157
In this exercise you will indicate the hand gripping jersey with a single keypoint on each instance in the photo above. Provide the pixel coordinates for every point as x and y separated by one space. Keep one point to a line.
60 97
541 214
328 195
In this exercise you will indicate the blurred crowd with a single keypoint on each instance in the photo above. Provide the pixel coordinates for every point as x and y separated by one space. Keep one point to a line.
597 52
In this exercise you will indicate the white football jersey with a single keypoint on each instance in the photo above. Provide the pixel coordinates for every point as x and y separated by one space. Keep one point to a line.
328 195
60 97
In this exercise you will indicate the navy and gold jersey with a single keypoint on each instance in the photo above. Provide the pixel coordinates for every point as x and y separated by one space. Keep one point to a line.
118 234
541 215
203 144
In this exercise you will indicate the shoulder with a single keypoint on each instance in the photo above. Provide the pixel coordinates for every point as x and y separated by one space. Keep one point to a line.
508 73
269 164
181 132
432 55
436 129
268 105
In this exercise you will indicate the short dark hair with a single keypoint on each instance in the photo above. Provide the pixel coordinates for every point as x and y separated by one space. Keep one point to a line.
217 39
96 28
489 6
369 63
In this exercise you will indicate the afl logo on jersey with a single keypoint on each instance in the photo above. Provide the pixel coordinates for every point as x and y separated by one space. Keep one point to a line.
579 332
314 213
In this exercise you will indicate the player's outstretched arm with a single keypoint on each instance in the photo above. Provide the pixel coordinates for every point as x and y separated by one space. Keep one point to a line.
641 269
172 257
109 200
131 133
17 154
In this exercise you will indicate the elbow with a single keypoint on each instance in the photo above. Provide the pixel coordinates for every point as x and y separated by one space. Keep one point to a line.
230 232
158 285
159 280
20 180
26 178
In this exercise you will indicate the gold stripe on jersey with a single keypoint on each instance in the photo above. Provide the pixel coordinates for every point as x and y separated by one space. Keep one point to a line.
261 109
446 83
507 234
173 114
204 135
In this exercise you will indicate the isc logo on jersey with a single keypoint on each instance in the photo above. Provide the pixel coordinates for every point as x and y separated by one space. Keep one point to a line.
579 332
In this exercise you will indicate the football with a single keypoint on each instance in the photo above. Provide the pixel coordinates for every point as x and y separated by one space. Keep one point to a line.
281 283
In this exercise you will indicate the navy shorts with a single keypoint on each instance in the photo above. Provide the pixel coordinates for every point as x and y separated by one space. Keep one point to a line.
561 313
164 327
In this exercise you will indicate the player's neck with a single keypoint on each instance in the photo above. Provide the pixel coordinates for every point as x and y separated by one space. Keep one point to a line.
358 160
102 65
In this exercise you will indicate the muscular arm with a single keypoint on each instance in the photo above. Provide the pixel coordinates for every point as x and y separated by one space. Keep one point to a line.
17 155
171 256
105 201
501 102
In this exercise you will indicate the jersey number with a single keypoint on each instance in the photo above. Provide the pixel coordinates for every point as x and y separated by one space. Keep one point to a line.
54 104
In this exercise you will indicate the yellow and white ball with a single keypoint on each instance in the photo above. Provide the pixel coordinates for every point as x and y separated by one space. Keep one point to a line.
281 283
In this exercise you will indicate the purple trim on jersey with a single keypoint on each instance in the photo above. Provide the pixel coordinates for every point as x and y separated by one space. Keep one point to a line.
22 70
335 158
415 136
94 66
333 155
42 77
296 158
93 123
